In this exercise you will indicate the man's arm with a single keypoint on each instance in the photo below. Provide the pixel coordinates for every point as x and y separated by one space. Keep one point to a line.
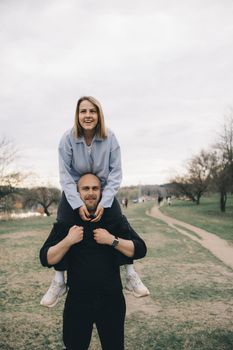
57 252
133 246
57 235
140 248
124 246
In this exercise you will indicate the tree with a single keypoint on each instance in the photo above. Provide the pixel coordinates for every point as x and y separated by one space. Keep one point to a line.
200 173
183 187
198 176
223 168
44 196
9 178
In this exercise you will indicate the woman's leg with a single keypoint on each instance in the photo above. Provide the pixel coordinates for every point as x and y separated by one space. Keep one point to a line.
58 288
65 213
134 283
59 277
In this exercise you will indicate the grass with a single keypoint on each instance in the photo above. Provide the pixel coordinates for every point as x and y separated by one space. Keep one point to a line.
190 306
27 224
207 215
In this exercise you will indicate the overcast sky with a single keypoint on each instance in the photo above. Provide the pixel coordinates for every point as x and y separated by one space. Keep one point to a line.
162 70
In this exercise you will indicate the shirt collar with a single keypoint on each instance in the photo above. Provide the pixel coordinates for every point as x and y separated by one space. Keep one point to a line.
81 139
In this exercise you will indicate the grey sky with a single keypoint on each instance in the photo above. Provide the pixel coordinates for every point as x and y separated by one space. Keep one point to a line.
161 69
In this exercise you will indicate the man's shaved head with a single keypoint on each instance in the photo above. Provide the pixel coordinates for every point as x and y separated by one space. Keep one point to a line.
88 178
89 188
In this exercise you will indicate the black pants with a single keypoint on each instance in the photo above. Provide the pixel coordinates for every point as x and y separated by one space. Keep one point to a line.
81 312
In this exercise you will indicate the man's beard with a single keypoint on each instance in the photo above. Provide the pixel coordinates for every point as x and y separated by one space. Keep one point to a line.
91 206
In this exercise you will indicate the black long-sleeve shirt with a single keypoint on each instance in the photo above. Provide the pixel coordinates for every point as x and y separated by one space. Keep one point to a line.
93 267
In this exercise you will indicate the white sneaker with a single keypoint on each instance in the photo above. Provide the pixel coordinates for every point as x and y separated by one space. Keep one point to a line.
53 294
135 285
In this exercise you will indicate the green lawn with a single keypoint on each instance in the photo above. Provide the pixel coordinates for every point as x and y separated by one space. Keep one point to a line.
207 215
28 224
190 307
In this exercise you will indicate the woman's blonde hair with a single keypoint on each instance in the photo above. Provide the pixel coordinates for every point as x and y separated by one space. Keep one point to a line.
101 130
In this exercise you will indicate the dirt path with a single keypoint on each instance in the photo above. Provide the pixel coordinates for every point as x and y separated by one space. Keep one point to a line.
216 245
147 305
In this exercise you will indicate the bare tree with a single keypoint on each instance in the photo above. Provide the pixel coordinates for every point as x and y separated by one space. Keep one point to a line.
183 187
9 178
223 153
44 196
198 176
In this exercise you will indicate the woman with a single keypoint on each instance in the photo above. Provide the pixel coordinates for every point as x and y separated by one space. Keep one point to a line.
89 147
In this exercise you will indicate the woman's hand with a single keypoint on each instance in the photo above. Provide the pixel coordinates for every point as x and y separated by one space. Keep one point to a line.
98 213
84 213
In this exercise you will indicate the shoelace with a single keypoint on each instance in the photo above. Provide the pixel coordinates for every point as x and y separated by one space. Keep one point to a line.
53 287
135 281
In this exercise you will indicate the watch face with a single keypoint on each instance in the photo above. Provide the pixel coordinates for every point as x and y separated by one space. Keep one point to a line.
115 243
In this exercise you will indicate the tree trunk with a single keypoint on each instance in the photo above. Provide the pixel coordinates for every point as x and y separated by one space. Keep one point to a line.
193 199
223 199
198 199
46 211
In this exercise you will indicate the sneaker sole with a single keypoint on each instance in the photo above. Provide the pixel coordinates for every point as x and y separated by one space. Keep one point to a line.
128 291
56 301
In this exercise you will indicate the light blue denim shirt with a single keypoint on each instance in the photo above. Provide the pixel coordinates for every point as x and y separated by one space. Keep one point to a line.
104 161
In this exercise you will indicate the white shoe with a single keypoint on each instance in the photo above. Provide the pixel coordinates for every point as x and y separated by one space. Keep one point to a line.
135 285
53 294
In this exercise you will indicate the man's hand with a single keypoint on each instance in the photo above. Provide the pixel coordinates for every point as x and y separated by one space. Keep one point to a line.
98 213
57 252
75 235
102 236
84 213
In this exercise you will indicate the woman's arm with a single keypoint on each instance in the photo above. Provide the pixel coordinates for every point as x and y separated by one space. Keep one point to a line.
65 153
115 174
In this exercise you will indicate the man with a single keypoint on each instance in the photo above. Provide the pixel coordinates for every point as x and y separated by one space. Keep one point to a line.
90 251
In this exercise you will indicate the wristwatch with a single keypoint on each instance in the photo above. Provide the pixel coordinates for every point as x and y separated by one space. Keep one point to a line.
115 242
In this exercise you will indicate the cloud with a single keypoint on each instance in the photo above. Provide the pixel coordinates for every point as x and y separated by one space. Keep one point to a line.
161 69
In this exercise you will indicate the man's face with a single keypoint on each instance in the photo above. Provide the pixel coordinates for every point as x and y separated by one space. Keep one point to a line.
90 191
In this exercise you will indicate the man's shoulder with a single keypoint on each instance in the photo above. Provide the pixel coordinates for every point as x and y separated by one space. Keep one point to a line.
117 226
61 225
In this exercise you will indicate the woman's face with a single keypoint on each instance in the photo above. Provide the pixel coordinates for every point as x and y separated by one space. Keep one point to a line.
88 115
